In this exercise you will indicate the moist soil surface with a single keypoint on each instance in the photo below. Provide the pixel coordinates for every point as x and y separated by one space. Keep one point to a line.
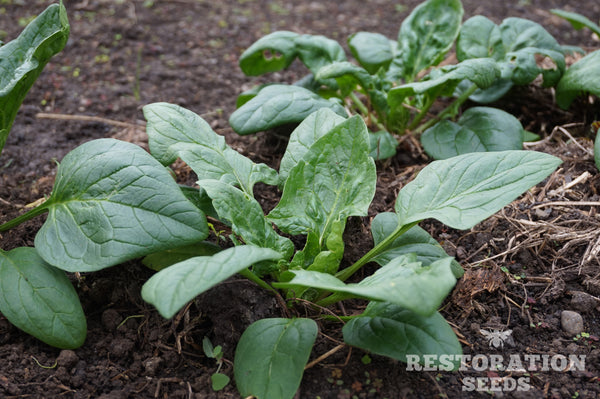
524 266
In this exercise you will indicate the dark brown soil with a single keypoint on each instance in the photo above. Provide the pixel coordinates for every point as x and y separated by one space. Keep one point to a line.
524 266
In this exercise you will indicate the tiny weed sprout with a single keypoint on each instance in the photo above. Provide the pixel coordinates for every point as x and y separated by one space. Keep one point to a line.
394 83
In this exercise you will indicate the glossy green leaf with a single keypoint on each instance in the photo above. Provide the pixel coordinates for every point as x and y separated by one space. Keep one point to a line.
335 179
416 240
597 151
427 34
112 202
525 66
479 38
408 336
485 96
40 300
372 50
578 21
403 281
347 76
271 355
481 71
382 144
583 76
23 59
520 33
246 217
466 189
174 132
316 51
277 105
479 129
171 288
270 53
163 259
315 126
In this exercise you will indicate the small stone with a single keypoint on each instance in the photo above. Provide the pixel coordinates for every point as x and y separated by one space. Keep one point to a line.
582 301
67 358
571 322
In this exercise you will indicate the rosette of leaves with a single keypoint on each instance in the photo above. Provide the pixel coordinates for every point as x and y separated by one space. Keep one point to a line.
327 176
394 83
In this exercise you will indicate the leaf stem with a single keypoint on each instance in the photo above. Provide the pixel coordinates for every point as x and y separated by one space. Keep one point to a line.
365 111
255 279
448 110
377 250
24 217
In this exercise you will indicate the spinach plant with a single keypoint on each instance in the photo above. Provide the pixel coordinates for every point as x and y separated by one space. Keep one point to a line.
327 176
394 83
111 202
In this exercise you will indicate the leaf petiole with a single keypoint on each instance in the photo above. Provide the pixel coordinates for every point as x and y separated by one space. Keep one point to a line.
24 217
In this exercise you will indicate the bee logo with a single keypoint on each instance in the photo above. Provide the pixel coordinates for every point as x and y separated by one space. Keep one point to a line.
496 338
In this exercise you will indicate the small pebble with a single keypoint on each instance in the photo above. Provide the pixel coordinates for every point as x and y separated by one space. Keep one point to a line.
67 358
571 322
582 301
151 365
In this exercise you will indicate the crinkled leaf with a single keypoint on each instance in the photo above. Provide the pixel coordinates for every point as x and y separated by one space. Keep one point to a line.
372 50
347 76
481 71
479 38
246 217
171 288
315 126
270 53
316 51
578 21
525 66
174 132
163 259
463 190
277 105
271 355
520 33
427 34
112 202
40 300
416 240
479 129
406 334
581 77
23 59
403 281
382 144
334 180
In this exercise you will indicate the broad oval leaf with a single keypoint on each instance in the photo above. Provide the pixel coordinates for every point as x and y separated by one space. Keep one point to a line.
277 105
163 259
403 281
578 21
479 129
464 190
520 33
23 59
171 288
389 330
479 38
112 202
271 355
416 240
270 53
347 76
372 50
40 300
427 35
246 216
315 126
174 132
583 76
335 179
